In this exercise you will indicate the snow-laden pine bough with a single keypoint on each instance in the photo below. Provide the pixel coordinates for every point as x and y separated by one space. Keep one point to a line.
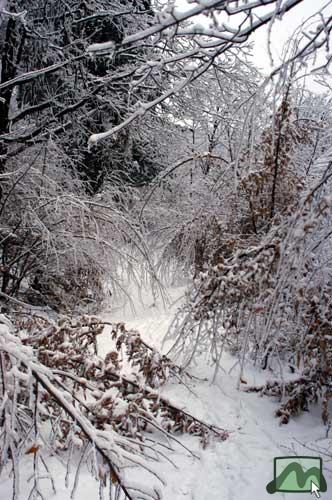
58 397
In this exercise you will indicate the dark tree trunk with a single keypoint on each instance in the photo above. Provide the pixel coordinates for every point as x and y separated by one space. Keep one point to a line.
10 56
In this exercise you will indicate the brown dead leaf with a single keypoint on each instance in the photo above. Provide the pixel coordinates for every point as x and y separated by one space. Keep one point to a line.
114 477
32 450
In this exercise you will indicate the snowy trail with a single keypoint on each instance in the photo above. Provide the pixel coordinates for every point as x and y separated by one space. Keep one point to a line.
240 467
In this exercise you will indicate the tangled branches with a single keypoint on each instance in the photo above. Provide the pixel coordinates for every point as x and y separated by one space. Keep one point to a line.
312 358
60 397
271 303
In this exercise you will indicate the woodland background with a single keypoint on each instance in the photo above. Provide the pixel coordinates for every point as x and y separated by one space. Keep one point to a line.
139 143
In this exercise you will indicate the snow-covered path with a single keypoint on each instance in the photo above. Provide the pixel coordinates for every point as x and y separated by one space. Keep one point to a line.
240 467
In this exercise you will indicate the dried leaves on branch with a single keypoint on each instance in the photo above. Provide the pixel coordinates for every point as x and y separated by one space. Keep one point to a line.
268 300
113 419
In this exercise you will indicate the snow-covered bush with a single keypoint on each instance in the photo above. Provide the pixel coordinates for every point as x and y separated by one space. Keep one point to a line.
59 246
45 226
271 303
254 233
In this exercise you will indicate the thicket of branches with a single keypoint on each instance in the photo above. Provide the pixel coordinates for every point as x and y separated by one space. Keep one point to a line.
262 263
60 397
137 138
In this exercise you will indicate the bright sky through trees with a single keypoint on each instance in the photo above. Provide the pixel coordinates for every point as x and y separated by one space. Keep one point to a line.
281 33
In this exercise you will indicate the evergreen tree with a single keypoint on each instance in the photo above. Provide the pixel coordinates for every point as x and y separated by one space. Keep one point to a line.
80 93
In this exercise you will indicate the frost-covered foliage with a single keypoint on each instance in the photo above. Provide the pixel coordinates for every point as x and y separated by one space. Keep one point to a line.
246 212
79 92
238 173
271 302
58 396
132 139
57 243
254 232
184 211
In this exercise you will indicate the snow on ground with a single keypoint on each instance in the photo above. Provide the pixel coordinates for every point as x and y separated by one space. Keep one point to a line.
238 468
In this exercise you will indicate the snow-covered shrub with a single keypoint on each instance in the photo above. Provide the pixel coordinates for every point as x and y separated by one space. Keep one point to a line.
260 253
59 246
271 302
